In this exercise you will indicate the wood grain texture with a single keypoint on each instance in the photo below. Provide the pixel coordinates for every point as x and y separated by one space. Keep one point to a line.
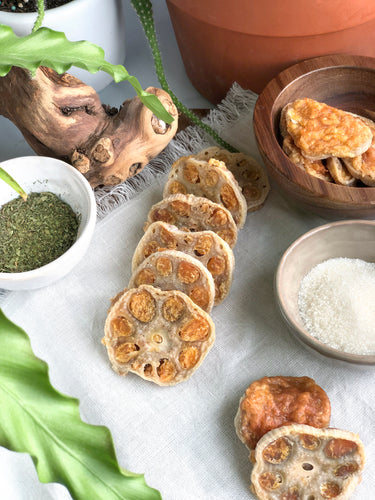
344 81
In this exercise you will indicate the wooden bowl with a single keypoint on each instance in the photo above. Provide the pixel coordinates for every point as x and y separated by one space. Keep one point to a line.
343 81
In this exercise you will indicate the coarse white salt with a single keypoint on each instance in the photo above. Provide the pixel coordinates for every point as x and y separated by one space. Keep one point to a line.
337 304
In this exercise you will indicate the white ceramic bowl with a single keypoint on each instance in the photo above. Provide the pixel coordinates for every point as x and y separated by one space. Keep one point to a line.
353 239
36 174
97 21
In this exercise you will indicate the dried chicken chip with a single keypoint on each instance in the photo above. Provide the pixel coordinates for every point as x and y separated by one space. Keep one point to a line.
362 167
251 177
297 462
271 402
194 213
162 336
206 246
174 270
321 131
210 179
339 172
315 168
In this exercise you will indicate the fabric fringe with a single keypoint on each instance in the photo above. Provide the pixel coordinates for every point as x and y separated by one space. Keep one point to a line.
237 103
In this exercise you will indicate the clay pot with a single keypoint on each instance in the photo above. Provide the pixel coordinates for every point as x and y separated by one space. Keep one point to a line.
81 20
251 41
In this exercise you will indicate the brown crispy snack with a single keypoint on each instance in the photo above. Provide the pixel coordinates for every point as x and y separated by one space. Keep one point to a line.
251 177
321 131
162 336
271 402
362 167
206 246
194 213
210 179
339 172
298 462
315 168
174 270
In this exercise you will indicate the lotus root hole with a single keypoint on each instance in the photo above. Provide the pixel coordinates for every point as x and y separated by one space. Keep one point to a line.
307 466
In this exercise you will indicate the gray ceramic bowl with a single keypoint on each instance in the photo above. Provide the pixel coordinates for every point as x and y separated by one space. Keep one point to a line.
352 239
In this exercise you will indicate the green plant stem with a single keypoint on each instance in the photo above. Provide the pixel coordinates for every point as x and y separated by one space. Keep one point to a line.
12 183
143 9
39 19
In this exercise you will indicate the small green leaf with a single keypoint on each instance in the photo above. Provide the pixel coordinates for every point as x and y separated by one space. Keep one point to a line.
46 47
38 420
12 183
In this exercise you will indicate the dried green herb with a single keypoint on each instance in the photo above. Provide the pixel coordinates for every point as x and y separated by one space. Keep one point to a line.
35 232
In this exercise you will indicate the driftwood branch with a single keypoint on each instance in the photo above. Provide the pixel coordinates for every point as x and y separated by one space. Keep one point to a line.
60 116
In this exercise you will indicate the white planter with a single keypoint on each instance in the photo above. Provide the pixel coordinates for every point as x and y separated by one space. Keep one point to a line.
98 21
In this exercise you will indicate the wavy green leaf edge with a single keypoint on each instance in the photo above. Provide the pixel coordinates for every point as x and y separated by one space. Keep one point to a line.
38 420
46 47
12 183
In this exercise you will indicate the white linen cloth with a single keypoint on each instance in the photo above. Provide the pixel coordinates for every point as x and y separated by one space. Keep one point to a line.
182 437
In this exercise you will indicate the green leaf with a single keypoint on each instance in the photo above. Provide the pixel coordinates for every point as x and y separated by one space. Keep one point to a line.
46 47
38 420
12 183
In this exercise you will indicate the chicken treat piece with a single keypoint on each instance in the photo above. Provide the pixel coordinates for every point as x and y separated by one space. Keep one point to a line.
271 402
321 131
162 336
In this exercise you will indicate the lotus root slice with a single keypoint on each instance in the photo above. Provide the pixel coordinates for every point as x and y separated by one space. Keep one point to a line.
194 213
209 179
250 175
162 336
300 462
206 246
175 270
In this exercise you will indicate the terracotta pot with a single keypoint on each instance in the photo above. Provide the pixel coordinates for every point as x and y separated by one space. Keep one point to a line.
81 20
251 41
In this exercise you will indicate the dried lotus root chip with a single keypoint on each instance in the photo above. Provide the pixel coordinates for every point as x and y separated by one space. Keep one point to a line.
286 469
206 246
174 270
315 168
362 167
168 339
321 131
339 172
194 213
271 402
210 179
251 177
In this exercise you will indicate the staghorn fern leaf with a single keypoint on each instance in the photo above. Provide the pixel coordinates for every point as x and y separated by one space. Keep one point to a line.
38 420
46 47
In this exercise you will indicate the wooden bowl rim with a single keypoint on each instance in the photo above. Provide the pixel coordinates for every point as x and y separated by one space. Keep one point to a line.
360 196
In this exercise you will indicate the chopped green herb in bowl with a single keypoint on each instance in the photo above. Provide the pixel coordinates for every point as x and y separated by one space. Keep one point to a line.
43 237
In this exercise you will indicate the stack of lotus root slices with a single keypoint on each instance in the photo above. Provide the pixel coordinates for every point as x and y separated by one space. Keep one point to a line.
329 143
159 327
284 422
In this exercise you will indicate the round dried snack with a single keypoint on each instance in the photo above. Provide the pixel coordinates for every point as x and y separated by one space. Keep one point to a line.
321 131
315 168
206 246
166 336
339 172
210 179
250 175
194 213
271 402
285 469
174 270
362 167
